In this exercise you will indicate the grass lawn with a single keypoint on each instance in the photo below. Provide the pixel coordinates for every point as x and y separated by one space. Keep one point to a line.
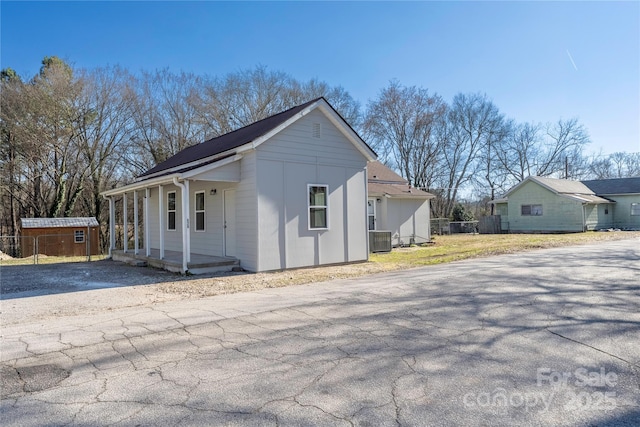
462 246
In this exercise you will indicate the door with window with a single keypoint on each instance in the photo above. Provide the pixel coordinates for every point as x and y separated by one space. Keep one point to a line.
371 213
230 223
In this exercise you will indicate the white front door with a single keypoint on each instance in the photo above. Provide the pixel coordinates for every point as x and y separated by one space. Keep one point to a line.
371 213
230 222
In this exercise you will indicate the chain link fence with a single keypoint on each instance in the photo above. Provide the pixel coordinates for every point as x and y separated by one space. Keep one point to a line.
48 248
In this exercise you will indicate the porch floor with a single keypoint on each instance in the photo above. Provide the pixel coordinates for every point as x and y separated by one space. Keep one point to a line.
172 261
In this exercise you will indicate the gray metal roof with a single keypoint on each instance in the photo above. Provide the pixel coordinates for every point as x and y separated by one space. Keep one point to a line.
59 222
614 186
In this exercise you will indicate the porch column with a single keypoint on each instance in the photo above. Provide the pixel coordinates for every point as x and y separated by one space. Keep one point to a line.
136 245
125 224
147 238
184 193
188 210
112 226
161 218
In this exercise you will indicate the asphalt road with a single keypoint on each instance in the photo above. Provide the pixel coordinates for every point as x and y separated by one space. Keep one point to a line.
549 337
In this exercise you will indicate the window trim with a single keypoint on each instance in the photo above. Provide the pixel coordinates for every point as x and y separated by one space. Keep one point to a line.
325 207
75 236
635 209
203 211
169 211
531 210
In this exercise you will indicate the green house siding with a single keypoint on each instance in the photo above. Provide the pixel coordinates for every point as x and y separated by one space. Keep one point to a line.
622 217
502 209
559 214
598 216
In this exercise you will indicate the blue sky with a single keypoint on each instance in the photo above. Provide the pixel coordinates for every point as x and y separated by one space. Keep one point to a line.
538 61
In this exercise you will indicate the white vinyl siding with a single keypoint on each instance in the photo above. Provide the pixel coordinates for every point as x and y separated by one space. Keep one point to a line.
286 165
408 220
209 242
247 214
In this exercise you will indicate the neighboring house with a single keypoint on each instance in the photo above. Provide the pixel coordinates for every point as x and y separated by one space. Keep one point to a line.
59 236
394 206
625 192
540 204
287 191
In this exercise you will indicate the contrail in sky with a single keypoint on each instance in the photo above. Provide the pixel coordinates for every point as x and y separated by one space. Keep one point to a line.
571 59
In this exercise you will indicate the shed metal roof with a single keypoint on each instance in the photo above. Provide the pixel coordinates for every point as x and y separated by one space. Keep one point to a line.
59 222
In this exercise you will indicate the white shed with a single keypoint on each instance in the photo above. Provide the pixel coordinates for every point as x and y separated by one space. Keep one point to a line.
287 191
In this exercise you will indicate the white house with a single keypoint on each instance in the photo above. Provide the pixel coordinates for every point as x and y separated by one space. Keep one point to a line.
287 191
393 205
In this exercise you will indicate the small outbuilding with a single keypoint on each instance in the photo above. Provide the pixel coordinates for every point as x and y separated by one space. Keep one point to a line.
77 236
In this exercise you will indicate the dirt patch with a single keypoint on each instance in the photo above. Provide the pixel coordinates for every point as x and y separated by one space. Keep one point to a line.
5 257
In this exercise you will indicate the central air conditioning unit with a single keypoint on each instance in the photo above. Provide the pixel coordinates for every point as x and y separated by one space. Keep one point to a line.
379 241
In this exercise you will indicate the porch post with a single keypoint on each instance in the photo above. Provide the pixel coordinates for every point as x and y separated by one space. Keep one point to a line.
184 194
188 210
125 224
112 226
147 238
136 245
161 218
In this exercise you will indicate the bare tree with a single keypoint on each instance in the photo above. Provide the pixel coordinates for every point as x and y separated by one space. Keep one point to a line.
165 121
473 125
562 147
103 136
401 125
615 165
238 99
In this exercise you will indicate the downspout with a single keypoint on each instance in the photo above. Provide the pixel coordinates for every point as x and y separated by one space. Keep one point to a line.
584 218
185 224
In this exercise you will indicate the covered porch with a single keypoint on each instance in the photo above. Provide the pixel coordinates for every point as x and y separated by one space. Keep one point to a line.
182 222
172 261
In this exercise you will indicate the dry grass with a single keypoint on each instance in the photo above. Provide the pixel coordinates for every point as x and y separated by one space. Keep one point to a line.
444 249
46 259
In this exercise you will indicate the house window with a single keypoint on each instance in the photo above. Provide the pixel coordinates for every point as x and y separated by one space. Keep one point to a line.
78 236
371 213
318 206
200 211
531 210
606 211
171 210
635 209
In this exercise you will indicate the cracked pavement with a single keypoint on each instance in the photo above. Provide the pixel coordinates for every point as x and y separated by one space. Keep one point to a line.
548 337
